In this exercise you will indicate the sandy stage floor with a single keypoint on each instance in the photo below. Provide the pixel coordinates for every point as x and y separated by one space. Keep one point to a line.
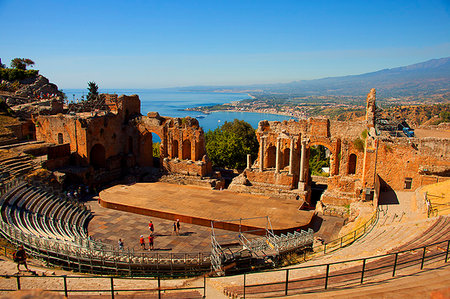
199 205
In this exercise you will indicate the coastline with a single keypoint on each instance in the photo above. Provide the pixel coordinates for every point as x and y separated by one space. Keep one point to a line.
245 111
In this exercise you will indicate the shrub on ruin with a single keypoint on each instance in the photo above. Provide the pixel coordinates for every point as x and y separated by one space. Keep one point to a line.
16 74
358 143
228 145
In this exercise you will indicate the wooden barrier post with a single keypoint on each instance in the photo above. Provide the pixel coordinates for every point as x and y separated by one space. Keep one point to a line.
287 282
326 276
423 257
446 254
159 287
244 284
18 282
204 286
65 286
112 287
395 264
362 271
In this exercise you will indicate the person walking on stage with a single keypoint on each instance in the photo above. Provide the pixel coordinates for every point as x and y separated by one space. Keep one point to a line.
142 241
178 226
150 242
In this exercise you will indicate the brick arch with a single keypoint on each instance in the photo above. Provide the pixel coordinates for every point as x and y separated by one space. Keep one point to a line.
286 156
271 156
334 147
352 162
175 147
186 150
325 144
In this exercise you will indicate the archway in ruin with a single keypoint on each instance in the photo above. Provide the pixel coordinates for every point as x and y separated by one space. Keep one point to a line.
150 149
186 151
175 149
285 160
271 156
352 159
97 156
319 164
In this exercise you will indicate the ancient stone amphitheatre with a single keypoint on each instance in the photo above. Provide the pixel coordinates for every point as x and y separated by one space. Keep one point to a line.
377 223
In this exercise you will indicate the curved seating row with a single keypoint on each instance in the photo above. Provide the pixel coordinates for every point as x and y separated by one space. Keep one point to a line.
34 211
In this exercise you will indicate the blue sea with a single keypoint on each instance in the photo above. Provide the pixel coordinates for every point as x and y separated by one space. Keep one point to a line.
171 102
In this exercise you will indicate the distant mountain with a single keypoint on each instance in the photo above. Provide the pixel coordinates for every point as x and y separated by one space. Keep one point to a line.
429 79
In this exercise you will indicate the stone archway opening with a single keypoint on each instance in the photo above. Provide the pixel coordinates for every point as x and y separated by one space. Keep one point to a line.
352 159
149 150
286 156
98 156
271 156
175 149
156 150
186 151
319 170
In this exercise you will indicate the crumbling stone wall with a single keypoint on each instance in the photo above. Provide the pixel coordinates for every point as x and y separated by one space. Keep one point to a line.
120 138
355 164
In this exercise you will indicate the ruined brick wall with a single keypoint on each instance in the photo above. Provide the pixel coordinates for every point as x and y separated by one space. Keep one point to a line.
406 158
181 139
65 128
269 178
187 167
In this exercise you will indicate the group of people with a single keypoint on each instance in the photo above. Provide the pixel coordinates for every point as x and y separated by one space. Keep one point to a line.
78 192
151 237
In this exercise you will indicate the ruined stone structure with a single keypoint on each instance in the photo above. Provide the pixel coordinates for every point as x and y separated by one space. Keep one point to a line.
112 141
104 144
399 163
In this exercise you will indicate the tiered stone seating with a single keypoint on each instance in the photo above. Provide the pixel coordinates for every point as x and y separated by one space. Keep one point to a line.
15 167
35 212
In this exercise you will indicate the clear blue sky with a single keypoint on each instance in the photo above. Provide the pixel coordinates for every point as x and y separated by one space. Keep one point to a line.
151 44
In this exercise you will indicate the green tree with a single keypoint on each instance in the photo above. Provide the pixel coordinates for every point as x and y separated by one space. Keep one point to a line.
228 145
93 91
21 63
156 146
318 160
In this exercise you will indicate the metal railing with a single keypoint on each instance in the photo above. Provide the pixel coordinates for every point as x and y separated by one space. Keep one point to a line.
344 240
345 273
296 280
109 285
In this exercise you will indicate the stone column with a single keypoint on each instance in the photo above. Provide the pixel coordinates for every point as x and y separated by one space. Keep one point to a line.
302 162
277 156
291 157
249 161
261 153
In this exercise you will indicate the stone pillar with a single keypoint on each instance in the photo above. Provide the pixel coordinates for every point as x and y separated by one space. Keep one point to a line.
261 153
302 162
291 158
277 156
249 161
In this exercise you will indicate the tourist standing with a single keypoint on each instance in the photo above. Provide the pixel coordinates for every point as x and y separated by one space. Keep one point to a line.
142 241
120 245
178 226
20 257
174 229
151 227
150 242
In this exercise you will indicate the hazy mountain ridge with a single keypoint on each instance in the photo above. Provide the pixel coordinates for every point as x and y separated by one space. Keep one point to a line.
429 79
